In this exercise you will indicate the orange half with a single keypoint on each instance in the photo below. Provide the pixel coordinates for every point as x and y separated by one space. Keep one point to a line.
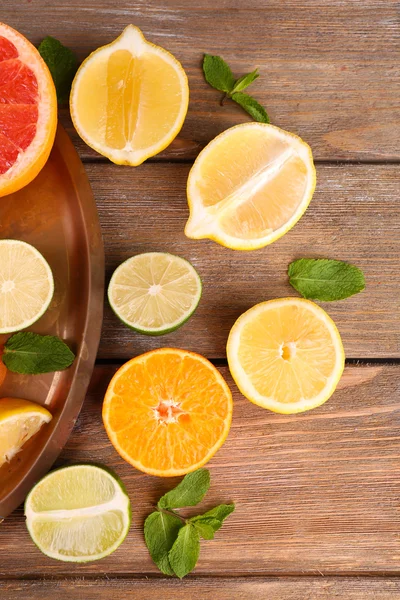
167 412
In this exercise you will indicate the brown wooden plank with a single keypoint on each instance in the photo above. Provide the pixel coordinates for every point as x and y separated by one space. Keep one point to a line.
293 588
316 493
354 216
329 69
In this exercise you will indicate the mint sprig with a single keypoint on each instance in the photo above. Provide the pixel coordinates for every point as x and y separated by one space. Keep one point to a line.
173 541
219 75
31 354
62 64
325 280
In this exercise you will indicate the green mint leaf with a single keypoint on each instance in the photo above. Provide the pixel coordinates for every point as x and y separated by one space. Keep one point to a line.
325 280
206 526
185 552
243 82
160 532
251 105
31 354
218 74
189 492
62 64
218 514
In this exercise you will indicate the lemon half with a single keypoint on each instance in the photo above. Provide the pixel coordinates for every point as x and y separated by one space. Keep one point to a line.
249 186
129 99
286 355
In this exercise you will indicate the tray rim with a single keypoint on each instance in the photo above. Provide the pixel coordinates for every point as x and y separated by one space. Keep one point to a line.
89 343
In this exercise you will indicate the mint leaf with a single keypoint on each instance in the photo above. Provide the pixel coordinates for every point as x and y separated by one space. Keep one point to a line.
160 532
218 514
185 552
206 526
62 65
217 73
325 280
251 105
31 354
189 492
243 82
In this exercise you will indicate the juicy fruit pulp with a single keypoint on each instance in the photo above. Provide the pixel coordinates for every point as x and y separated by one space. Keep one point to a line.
129 99
28 111
167 412
249 186
78 513
155 292
286 355
26 285
19 421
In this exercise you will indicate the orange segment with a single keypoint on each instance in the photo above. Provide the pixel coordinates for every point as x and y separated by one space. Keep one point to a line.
167 412
3 368
28 111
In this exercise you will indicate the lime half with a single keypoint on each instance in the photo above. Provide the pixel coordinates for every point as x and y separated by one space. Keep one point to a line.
154 293
78 513
26 285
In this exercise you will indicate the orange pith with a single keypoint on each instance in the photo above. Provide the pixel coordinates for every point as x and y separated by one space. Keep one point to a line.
28 111
167 412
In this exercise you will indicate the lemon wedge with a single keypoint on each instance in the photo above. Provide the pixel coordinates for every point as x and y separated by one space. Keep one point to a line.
129 99
249 186
19 421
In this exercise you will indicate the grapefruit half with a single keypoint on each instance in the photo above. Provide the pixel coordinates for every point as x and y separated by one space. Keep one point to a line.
28 111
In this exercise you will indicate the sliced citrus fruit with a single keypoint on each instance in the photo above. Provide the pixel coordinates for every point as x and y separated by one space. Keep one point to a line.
28 111
167 412
26 285
129 99
249 186
78 513
286 355
19 421
154 293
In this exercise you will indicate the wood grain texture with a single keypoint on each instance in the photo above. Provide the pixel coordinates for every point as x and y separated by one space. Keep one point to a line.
291 588
316 493
354 216
330 70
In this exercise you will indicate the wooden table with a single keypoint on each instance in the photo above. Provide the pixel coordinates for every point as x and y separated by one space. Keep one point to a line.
318 494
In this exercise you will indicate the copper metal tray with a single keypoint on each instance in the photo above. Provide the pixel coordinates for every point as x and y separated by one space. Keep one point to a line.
57 214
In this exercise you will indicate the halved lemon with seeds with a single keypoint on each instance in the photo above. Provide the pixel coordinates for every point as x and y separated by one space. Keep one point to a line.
129 99
286 355
167 412
154 293
249 186
26 285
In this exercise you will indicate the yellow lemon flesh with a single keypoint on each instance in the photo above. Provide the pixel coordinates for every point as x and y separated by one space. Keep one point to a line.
249 186
286 355
19 421
129 99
